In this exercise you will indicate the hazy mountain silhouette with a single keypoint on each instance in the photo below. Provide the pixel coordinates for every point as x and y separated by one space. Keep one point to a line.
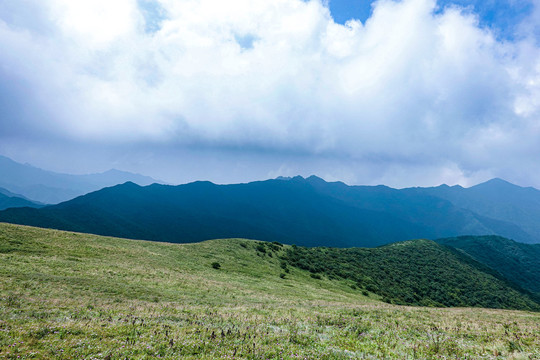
308 212
498 200
9 200
51 188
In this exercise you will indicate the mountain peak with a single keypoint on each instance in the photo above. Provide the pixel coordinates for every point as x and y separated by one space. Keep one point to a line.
314 178
297 178
496 183
129 183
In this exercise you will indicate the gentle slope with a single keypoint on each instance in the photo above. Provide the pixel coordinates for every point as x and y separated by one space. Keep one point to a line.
68 295
517 262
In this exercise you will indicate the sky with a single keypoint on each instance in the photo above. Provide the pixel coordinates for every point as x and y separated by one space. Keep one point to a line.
403 93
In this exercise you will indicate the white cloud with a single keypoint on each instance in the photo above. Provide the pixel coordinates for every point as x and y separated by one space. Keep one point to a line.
95 23
408 86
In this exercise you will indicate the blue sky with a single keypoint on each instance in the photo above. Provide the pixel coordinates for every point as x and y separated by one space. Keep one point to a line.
502 16
405 93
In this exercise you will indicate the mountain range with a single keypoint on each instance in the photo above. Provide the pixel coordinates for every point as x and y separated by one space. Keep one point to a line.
309 212
9 200
499 200
49 187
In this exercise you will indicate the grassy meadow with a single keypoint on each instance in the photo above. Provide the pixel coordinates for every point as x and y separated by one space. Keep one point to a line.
77 296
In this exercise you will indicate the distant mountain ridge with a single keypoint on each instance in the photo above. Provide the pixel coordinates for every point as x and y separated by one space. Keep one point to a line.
51 188
499 200
430 208
10 200
310 212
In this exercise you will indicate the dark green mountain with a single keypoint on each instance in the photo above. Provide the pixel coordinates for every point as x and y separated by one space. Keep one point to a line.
518 262
286 211
50 188
307 212
10 200
418 272
434 214
498 200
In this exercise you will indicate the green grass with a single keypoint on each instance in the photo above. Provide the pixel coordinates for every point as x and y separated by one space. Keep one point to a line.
75 296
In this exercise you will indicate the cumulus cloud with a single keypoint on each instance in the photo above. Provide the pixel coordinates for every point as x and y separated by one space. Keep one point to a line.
413 87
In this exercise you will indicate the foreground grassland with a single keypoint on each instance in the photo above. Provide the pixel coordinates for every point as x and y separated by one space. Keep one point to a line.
76 296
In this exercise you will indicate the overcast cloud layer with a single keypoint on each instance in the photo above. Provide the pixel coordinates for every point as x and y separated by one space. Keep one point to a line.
248 89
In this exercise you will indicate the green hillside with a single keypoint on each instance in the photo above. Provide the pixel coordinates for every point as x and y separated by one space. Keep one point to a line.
419 272
517 262
67 295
